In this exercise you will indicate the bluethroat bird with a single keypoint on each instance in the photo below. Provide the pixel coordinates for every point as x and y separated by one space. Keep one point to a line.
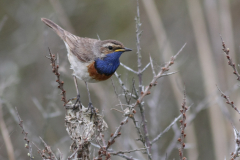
91 60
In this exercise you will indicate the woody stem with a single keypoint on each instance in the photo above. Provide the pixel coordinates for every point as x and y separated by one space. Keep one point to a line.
141 106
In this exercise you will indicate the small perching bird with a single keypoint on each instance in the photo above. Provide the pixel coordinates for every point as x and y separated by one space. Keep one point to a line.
91 60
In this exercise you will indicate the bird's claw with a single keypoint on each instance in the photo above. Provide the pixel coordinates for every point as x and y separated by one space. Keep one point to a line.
77 100
93 111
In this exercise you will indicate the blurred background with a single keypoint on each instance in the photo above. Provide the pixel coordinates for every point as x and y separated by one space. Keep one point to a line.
26 80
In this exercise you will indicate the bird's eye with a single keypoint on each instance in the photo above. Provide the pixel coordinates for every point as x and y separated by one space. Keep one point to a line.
110 47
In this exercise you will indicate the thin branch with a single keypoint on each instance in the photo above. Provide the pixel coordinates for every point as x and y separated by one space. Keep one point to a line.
166 129
168 74
129 151
174 141
116 93
138 34
140 88
103 151
39 151
27 145
60 154
55 71
141 138
237 146
46 114
131 95
228 101
230 62
145 67
151 61
135 91
128 68
183 125
73 154
121 82
48 150
111 151
154 80
117 133
125 90
126 157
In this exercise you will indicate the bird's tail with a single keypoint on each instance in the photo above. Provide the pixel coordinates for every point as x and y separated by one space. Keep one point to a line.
55 27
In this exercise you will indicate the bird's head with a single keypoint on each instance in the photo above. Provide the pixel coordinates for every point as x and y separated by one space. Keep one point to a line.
109 46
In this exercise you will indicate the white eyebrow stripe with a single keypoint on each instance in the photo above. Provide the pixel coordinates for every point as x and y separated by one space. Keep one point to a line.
107 44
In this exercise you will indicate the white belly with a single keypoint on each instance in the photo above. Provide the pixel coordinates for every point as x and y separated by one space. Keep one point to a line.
80 69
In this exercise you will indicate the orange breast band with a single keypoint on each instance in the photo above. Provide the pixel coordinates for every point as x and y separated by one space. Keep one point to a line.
95 75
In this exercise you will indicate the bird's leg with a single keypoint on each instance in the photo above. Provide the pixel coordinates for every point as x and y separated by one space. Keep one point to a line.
78 94
90 106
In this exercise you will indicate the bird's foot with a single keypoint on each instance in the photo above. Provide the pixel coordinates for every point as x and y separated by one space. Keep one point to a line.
93 111
77 101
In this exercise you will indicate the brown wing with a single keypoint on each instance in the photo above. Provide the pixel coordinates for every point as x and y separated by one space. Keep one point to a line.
82 48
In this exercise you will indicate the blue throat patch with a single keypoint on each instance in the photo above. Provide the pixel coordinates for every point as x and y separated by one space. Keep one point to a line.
109 64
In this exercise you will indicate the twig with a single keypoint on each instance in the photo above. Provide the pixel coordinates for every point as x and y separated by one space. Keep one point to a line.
46 114
141 107
131 95
102 138
135 91
117 132
228 101
39 151
168 74
121 82
60 154
174 141
230 62
55 71
151 62
138 34
71 156
111 151
103 151
125 90
154 80
128 94
128 68
145 67
182 127
237 146
138 130
141 136
27 145
166 129
126 157
129 151
116 93
48 150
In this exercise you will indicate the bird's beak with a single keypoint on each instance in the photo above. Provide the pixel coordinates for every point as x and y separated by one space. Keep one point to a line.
127 49
123 50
